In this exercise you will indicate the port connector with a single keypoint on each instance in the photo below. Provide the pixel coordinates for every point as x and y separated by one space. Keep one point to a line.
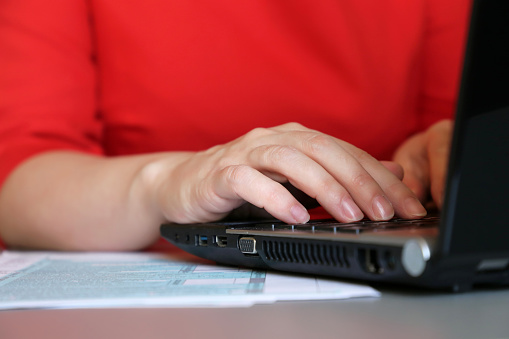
221 240
247 245
390 260
200 240
370 261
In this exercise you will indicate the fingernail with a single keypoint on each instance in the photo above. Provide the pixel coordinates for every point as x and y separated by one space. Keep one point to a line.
382 208
300 214
350 211
414 207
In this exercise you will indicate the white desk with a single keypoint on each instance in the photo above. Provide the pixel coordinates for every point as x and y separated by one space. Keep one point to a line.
397 314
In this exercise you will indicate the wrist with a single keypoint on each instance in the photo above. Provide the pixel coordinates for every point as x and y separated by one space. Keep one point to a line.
156 184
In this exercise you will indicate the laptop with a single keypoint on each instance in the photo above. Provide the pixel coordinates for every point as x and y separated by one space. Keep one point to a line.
465 246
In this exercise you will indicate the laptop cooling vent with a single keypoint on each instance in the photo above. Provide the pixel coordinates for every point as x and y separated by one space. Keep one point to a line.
308 253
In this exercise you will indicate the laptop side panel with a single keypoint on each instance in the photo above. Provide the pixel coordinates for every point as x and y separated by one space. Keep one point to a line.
401 257
367 257
476 219
474 234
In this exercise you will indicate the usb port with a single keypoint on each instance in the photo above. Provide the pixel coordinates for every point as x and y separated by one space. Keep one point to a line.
201 240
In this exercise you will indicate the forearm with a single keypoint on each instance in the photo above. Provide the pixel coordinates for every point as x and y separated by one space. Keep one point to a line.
67 200
74 201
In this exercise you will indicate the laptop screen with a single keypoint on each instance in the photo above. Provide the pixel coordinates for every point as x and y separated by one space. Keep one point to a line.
476 213
486 78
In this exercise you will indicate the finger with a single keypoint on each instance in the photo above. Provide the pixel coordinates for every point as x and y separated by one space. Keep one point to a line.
439 141
413 157
241 182
352 175
381 191
342 168
404 201
308 176
347 170
395 168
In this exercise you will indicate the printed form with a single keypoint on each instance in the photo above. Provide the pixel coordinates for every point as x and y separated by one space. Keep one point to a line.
31 280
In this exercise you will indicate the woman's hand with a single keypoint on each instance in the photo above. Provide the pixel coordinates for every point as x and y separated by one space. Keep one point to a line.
424 158
345 180
78 201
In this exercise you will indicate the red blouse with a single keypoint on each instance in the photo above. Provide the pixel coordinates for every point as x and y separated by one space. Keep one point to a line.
124 77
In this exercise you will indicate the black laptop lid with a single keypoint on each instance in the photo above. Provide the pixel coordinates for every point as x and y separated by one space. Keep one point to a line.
477 202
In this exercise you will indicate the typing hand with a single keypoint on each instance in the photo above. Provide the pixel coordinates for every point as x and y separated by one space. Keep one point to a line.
424 158
345 180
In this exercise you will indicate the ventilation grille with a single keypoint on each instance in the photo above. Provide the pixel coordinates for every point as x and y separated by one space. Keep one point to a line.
305 253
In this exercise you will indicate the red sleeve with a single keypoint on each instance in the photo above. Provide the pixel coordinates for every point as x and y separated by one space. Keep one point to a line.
443 50
47 80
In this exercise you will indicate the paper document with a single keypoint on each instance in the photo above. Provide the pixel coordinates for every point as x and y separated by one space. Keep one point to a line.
92 280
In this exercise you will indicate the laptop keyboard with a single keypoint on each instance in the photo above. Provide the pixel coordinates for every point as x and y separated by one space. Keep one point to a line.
333 226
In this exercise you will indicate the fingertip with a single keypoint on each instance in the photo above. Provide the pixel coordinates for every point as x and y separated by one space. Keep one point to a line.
350 212
382 208
414 208
299 214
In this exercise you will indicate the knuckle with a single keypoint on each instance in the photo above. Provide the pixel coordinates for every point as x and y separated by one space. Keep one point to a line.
273 195
277 154
293 126
224 162
394 187
363 156
330 188
361 180
226 158
318 142
236 174
257 133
